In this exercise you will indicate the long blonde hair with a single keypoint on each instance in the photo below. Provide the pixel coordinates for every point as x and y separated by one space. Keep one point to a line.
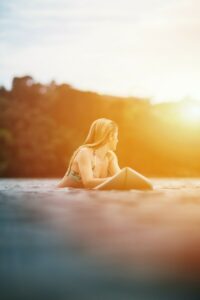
98 135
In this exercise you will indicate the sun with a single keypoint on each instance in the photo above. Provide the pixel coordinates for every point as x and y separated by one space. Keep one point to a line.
190 112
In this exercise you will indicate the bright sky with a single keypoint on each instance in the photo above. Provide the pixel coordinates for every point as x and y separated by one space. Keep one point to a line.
146 48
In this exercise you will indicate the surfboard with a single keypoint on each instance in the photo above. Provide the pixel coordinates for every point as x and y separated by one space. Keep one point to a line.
126 179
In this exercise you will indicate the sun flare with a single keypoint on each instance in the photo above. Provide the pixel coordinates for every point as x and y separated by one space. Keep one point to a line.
190 112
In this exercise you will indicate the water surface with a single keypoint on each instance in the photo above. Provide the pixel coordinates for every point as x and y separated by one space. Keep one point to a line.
84 244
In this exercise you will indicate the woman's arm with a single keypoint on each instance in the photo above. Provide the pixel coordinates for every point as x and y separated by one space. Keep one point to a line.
113 166
85 169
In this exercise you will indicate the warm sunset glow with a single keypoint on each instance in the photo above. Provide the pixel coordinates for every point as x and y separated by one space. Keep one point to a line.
190 112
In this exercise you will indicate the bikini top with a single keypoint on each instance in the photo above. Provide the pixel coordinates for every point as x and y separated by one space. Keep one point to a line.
76 174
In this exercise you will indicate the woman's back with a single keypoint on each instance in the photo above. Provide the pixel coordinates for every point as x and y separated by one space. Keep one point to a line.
99 166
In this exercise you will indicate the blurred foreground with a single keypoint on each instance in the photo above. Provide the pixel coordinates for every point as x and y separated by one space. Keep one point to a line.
79 244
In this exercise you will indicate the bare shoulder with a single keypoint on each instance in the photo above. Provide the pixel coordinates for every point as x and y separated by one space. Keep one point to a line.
84 152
